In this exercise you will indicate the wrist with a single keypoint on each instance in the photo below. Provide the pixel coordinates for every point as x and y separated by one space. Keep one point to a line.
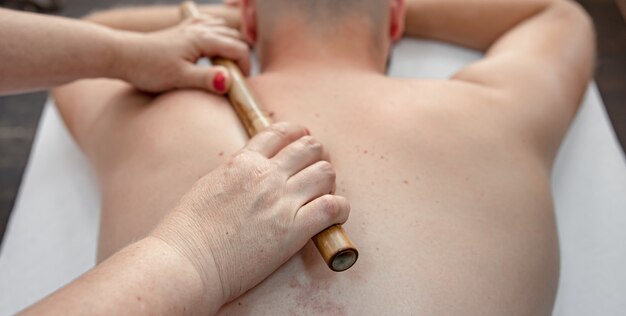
187 239
121 55
203 295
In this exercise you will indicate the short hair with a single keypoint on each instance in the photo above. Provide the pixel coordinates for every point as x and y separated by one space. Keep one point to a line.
331 12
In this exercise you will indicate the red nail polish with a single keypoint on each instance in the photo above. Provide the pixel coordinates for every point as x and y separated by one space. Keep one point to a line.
219 82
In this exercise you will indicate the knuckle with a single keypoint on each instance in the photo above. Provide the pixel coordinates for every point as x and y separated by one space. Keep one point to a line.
260 172
278 130
244 159
311 143
197 19
241 47
329 206
240 156
327 169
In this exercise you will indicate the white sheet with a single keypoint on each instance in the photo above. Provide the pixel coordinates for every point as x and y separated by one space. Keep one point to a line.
52 234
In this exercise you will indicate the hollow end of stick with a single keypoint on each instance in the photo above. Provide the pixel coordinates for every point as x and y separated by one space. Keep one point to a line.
344 260
336 248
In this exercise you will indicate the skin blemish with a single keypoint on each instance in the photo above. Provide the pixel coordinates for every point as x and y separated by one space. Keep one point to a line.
406 181
317 115
138 298
382 157
271 114
294 283
365 151
221 154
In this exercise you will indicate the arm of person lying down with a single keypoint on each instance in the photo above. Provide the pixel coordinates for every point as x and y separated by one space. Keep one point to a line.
235 227
35 50
158 17
539 55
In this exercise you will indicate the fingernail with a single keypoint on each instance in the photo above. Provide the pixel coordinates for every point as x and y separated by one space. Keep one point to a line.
219 82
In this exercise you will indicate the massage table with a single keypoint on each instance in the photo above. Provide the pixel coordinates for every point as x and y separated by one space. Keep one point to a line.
52 234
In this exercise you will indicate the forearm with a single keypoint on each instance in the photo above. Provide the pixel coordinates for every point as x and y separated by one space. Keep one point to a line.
145 278
41 51
473 23
153 18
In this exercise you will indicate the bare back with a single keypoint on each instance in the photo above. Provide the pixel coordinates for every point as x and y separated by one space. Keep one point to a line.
448 180
451 206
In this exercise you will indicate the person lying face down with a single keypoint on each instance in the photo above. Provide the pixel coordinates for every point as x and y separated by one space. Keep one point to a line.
448 180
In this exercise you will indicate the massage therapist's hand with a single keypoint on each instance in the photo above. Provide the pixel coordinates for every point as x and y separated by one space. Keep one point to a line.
233 228
153 62
165 60
243 220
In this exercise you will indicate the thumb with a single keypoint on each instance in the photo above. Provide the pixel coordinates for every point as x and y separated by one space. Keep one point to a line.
214 79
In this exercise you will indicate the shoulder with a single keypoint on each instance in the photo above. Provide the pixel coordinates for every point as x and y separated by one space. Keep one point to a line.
478 113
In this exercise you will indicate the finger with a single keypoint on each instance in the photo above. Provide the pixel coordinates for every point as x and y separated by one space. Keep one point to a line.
228 48
274 138
213 21
214 79
320 214
205 19
312 182
238 51
299 155
227 31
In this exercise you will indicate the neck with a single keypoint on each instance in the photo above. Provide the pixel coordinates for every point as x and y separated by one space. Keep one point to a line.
346 49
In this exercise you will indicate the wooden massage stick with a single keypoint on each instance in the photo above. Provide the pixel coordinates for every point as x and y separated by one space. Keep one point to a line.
333 243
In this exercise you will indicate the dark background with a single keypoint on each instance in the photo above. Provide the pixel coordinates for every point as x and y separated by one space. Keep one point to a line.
20 114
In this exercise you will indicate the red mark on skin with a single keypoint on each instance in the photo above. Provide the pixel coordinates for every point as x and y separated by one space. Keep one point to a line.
221 154
313 298
317 115
271 114
294 283
219 82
